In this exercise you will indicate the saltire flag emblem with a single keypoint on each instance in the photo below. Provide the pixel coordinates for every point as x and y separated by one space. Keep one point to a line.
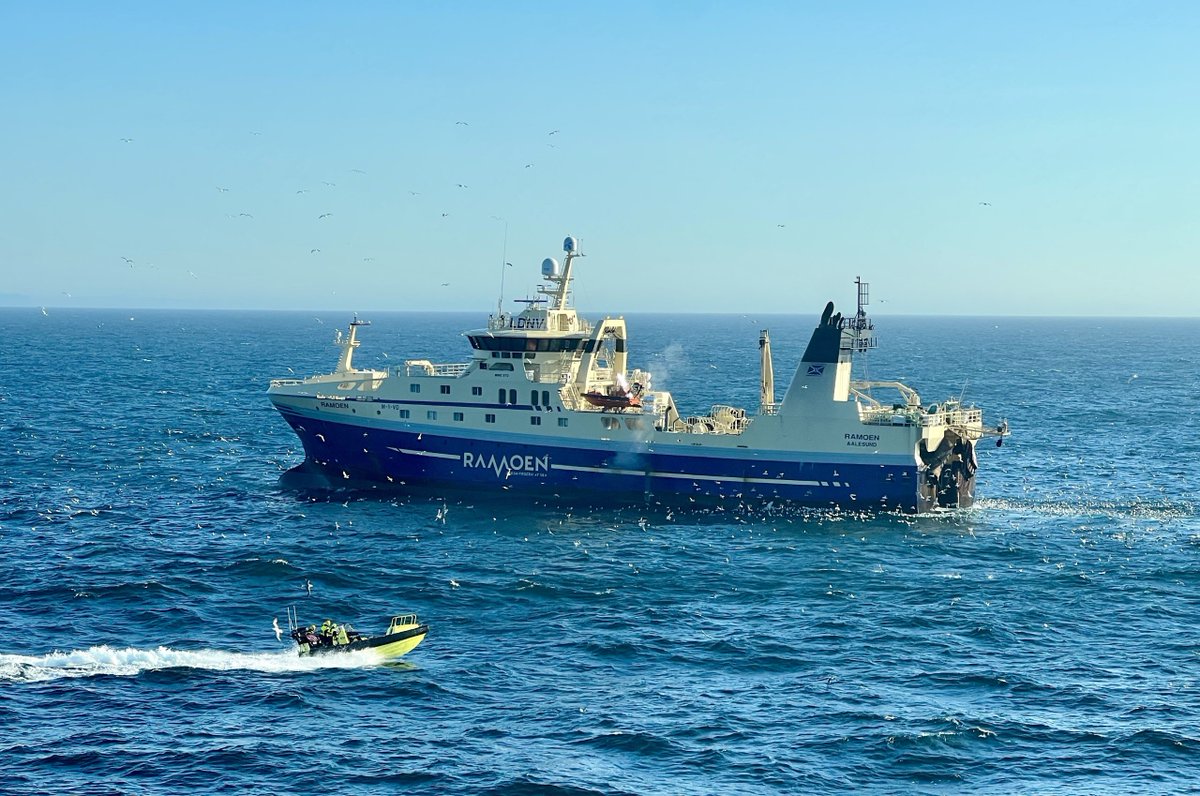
816 370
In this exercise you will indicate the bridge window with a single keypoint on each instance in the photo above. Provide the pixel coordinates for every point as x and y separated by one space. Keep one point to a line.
414 388
404 414
610 422
431 414
562 422
533 397
512 397
503 394
489 418
535 421
477 390
445 389
545 397
458 416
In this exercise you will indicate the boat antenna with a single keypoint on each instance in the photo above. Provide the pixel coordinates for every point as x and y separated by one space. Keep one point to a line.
504 264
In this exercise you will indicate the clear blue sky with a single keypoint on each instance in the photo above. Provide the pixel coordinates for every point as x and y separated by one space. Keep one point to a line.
710 156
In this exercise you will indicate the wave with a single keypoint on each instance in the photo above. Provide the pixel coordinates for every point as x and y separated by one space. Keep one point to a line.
130 661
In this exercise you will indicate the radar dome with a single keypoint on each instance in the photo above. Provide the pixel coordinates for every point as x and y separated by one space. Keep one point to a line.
570 245
550 267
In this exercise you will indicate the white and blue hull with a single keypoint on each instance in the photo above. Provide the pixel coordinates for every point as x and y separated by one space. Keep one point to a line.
366 452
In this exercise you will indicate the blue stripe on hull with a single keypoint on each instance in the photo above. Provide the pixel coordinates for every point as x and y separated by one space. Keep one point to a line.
398 458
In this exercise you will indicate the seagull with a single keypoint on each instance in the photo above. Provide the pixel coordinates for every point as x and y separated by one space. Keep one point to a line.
127 140
357 171
324 215
444 215
44 311
368 259
529 165
245 215
308 586
464 124
222 190
460 185
192 274
781 226
314 251
278 630
986 204
330 184
126 259
255 132
552 132
445 284
414 193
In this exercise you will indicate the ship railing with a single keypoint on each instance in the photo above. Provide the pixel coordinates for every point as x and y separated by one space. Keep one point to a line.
895 415
285 382
769 409
721 420
952 414
423 367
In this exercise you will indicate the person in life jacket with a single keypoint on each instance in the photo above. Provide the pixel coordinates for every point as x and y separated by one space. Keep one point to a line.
327 631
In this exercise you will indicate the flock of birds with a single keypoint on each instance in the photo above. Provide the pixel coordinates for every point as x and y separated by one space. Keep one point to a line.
315 250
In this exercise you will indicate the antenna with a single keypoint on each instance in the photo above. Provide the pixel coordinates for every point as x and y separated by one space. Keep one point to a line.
503 267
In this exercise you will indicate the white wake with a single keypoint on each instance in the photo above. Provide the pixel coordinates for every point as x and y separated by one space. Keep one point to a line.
130 661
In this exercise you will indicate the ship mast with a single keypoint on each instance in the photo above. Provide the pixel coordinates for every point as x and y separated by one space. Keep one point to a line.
348 344
766 390
561 281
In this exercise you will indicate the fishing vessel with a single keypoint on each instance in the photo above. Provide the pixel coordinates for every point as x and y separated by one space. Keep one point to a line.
548 403
403 634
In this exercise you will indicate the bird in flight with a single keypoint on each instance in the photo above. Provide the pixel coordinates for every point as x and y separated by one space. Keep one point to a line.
464 124
444 215
460 185
255 132
781 226
245 215
302 190
986 204
222 190
552 132
314 251
324 215
126 259
357 171
127 140
445 284
529 165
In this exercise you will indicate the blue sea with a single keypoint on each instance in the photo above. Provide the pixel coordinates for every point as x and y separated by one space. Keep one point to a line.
1044 641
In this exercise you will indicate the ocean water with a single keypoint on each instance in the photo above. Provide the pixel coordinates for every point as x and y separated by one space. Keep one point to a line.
1044 641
